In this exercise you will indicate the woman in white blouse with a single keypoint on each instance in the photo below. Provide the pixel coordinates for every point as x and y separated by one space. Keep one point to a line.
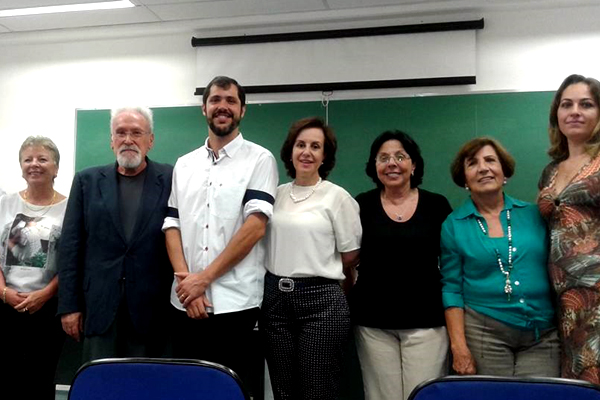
30 225
313 245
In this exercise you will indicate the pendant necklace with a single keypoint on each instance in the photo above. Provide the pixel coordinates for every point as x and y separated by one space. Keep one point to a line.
506 272
405 204
299 199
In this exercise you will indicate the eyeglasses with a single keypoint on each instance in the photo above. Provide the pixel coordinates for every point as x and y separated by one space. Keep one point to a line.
133 135
386 158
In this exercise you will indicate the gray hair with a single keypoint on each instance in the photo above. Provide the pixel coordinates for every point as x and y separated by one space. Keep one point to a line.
41 141
143 111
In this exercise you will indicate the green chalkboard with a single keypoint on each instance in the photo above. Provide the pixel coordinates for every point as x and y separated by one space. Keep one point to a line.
440 124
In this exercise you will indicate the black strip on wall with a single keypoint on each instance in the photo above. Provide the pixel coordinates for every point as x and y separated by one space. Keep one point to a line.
362 85
340 33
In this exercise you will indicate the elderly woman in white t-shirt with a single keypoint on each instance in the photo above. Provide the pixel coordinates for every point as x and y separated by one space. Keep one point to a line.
30 222
313 245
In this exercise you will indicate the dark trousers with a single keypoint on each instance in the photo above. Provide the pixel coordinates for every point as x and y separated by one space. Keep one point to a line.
31 345
123 340
222 338
305 333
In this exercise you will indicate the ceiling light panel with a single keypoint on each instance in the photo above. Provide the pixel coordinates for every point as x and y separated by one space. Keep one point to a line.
7 4
105 5
79 20
232 8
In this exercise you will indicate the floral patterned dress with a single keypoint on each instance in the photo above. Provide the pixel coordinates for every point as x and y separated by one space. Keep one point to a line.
573 218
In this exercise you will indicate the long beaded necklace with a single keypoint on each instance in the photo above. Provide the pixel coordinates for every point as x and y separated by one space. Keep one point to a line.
299 199
506 272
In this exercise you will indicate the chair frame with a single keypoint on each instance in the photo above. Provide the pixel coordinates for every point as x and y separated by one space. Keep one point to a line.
504 379
169 361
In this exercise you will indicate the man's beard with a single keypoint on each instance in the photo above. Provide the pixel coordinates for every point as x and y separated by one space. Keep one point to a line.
226 130
131 162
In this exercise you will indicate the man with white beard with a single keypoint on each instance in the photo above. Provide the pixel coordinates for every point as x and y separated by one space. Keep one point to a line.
114 272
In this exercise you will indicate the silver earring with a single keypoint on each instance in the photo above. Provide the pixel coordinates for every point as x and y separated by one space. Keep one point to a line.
412 173
467 188
505 181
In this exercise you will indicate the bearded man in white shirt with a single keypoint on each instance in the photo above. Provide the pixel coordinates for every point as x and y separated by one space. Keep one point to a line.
221 199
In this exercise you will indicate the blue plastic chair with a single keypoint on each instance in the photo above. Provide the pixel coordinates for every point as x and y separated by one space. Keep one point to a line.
480 387
155 379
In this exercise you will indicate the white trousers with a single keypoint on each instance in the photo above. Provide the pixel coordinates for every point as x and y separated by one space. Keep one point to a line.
394 362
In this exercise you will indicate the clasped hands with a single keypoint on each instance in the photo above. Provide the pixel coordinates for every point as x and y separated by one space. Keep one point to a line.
191 291
27 302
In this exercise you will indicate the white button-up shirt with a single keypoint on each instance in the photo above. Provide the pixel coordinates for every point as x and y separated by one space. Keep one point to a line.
210 200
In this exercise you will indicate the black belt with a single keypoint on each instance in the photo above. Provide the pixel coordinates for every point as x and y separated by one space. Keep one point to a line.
286 284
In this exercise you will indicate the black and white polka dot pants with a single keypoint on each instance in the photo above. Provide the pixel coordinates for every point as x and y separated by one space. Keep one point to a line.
305 332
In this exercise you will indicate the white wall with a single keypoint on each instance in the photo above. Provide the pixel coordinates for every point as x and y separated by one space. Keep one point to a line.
42 83
41 86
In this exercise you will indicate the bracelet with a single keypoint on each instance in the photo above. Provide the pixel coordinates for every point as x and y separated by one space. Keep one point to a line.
4 294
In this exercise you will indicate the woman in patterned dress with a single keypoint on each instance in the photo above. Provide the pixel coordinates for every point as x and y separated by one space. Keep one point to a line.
569 200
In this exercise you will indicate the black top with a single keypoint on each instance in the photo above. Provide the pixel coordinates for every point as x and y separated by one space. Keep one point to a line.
130 193
399 283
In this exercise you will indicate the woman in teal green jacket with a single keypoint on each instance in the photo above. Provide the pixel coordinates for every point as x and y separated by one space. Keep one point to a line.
496 292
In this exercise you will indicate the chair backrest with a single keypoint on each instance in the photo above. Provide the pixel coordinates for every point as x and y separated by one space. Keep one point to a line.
479 387
154 379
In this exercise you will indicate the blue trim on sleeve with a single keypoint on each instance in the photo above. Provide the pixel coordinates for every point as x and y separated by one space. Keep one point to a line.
257 195
172 212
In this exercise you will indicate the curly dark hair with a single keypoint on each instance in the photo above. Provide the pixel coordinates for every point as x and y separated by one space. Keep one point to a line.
329 148
410 146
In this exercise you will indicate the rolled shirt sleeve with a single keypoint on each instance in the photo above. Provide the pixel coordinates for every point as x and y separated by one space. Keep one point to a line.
451 267
260 194
172 218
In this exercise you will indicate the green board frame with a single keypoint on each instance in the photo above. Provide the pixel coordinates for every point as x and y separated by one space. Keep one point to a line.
439 124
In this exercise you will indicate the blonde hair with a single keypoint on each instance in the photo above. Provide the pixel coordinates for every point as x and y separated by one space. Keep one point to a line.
42 141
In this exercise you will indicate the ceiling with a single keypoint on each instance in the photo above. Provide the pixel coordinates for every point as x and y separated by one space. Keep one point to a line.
209 14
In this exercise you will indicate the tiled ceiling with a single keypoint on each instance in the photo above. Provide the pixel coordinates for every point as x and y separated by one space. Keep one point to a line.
222 13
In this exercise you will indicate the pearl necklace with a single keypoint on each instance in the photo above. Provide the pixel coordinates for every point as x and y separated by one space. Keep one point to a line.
508 289
299 199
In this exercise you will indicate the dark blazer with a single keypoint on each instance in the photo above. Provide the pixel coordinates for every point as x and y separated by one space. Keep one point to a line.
94 255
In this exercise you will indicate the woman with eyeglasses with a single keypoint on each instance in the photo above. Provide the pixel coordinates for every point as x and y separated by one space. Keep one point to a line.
496 290
396 304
